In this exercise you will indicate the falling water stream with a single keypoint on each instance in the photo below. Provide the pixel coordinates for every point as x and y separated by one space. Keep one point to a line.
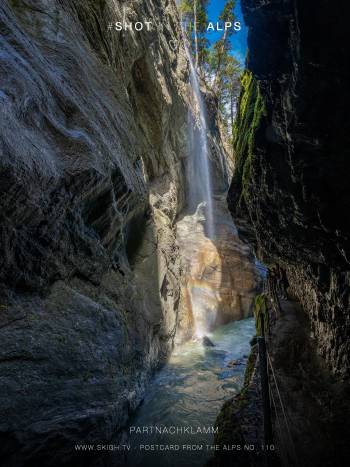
200 189
199 178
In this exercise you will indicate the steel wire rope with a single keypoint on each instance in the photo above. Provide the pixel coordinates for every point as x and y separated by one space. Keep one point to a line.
283 408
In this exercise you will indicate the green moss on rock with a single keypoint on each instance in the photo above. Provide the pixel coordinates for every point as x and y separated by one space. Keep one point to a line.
250 367
261 309
227 420
251 109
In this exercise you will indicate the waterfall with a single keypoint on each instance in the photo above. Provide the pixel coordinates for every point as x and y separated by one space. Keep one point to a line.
200 206
200 189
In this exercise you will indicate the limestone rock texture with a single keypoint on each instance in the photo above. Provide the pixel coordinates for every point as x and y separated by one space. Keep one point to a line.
219 279
291 183
93 125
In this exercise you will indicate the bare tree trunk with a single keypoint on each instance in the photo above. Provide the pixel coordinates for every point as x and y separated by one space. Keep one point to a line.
217 74
232 104
195 33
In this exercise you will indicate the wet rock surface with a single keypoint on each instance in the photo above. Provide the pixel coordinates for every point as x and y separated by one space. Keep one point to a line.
290 191
220 279
207 342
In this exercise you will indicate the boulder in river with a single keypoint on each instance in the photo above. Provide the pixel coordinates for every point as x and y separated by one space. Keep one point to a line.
233 363
207 342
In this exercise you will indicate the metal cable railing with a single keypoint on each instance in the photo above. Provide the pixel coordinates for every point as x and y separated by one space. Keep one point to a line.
287 451
290 446
280 435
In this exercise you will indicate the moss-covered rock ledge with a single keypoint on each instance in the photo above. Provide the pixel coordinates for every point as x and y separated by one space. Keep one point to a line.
238 422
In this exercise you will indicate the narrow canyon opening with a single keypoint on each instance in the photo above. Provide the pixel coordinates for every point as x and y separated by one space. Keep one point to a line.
219 281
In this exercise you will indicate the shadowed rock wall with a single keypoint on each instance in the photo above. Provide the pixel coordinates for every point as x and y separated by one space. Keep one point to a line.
292 148
92 140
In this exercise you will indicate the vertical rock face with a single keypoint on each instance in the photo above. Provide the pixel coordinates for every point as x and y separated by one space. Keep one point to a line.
92 140
292 147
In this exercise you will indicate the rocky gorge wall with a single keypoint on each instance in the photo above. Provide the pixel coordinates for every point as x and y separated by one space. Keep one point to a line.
290 192
92 146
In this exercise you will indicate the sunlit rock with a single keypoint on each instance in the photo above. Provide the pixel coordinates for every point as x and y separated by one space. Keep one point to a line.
219 279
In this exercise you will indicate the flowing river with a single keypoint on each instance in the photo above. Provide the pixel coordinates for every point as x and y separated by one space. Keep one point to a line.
189 392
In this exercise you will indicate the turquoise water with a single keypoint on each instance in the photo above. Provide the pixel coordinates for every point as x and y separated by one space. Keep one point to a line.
189 392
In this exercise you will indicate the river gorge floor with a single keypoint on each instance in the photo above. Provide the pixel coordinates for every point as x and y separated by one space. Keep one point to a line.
189 392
